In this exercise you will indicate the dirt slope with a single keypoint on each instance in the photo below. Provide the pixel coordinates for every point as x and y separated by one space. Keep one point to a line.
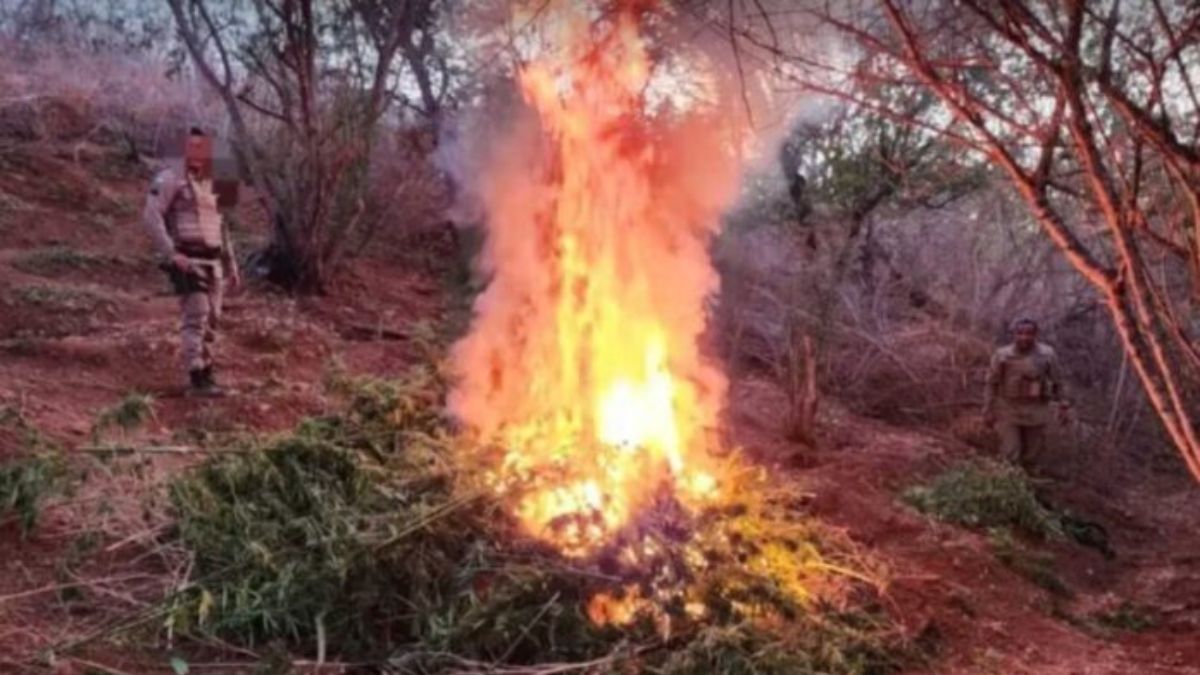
86 320
982 616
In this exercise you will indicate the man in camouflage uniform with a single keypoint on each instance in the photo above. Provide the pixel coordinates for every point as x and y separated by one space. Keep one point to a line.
194 249
1024 390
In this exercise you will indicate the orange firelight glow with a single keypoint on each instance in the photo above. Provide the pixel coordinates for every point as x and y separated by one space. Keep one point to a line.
583 364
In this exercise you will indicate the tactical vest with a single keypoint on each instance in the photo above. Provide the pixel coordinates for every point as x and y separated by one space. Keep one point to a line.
1026 377
192 219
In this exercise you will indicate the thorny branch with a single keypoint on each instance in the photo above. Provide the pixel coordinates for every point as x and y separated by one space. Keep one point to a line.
1118 142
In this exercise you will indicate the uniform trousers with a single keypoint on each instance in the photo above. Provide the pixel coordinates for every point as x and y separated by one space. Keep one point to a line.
201 314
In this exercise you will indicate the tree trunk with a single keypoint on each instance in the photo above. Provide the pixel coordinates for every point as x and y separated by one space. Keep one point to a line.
803 394
288 265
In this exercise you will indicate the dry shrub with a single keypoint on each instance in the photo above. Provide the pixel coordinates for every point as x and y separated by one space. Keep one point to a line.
408 190
66 116
407 197
63 92
389 199
905 333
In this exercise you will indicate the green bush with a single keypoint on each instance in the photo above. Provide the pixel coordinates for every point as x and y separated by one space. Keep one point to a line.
984 494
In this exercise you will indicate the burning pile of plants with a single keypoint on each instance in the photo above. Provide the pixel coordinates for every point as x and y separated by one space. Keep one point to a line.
365 537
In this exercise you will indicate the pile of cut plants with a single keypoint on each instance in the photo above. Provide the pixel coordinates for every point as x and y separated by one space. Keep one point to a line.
364 537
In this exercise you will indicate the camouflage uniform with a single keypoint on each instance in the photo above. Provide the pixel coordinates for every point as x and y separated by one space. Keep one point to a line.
1021 388
181 217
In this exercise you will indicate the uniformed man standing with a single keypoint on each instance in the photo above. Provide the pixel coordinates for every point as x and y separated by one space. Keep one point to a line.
1024 390
194 248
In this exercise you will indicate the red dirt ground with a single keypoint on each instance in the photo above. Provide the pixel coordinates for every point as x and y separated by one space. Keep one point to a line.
76 338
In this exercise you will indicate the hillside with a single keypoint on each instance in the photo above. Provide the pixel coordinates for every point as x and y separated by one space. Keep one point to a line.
85 321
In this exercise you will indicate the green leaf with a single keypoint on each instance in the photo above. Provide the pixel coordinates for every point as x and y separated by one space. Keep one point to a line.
206 605
179 666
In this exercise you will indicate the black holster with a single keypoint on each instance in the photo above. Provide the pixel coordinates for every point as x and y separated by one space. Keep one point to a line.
194 280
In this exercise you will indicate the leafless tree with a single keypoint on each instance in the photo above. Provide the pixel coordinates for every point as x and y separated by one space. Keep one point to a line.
305 84
1090 109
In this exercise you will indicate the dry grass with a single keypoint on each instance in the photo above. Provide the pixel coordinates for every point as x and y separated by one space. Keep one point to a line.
59 299
58 260
130 413
1036 566
28 476
1126 617
24 485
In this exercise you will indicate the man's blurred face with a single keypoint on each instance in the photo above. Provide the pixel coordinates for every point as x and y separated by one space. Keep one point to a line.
1025 336
197 155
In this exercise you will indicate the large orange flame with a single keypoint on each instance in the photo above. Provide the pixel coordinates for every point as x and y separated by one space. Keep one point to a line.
584 363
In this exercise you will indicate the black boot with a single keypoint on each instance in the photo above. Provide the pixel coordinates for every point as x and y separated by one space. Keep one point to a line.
203 383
